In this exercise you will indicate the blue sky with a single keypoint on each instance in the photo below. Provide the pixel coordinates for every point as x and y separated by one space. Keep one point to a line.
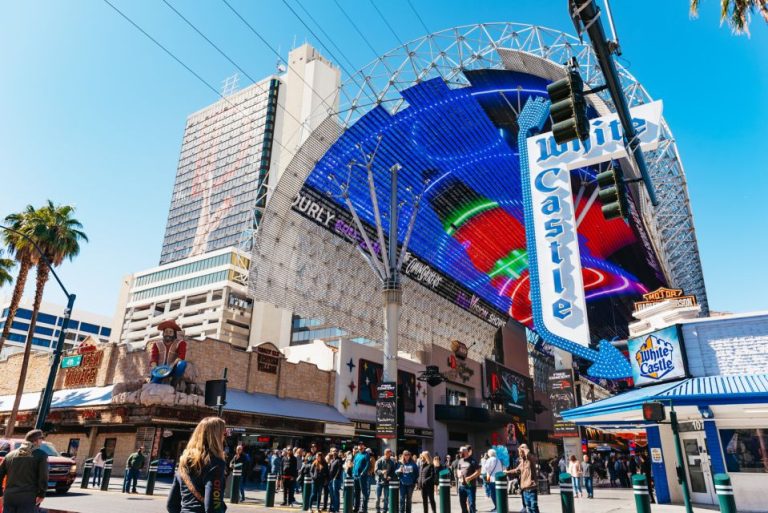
92 113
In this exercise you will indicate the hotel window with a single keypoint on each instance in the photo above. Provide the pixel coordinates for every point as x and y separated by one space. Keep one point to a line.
745 449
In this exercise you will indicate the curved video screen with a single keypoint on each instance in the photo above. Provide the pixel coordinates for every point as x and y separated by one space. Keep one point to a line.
457 148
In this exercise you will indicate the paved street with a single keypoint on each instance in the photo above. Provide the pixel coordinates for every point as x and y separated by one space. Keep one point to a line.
96 501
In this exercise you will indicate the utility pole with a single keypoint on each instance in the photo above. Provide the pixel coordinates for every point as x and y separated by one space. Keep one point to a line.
382 256
586 17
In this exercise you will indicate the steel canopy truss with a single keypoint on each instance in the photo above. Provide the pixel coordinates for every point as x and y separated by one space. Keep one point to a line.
504 45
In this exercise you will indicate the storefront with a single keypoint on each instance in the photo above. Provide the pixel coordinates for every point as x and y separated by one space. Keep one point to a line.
723 424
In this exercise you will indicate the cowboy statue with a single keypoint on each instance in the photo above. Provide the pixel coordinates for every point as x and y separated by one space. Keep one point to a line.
168 357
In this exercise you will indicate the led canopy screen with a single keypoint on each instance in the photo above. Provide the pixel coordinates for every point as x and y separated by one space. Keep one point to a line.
457 148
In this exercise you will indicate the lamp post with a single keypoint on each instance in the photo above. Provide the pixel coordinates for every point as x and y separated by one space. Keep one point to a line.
45 402
384 259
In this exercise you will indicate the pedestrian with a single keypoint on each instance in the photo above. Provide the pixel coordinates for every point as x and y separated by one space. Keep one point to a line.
24 475
449 468
360 465
305 467
198 485
134 465
526 470
98 466
492 466
574 469
621 472
645 468
318 473
385 471
612 471
244 461
632 465
290 471
587 471
335 479
467 472
408 473
427 481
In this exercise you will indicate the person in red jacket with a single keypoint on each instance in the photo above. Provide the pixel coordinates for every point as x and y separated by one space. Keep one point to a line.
168 356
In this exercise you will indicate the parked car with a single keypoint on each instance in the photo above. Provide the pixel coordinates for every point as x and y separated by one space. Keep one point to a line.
61 470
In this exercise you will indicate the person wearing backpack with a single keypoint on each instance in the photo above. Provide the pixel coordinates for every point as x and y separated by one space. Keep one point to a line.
198 486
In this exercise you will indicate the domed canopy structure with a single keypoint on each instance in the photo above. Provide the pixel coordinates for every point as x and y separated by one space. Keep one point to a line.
445 107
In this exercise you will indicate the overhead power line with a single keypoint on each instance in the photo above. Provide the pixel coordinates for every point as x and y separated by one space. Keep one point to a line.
391 29
357 29
413 8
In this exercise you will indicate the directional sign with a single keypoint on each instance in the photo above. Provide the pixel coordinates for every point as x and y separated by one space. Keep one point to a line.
69 362
557 289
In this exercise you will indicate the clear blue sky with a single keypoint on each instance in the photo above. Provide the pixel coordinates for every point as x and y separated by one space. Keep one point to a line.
92 113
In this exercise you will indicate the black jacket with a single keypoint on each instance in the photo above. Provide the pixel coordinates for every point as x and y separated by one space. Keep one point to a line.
290 467
27 471
385 469
209 484
335 469
319 474
427 475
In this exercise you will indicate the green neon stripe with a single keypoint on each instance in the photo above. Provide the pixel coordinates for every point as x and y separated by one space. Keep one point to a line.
454 224
505 263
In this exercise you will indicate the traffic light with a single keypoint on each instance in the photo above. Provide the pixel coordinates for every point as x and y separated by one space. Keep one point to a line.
612 194
569 108
653 411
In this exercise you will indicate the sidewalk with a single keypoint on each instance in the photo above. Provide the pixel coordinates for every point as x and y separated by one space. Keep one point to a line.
607 500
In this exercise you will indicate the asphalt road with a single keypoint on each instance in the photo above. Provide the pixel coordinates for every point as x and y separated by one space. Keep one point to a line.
95 501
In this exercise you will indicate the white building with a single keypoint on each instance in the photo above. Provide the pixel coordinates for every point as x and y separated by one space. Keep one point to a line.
49 320
232 155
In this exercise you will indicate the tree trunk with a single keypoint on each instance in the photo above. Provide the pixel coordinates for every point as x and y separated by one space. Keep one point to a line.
42 277
18 291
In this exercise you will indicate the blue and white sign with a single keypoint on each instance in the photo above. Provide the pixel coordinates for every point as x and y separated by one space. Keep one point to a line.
656 357
557 290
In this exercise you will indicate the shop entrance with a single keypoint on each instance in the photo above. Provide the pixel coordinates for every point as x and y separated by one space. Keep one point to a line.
699 471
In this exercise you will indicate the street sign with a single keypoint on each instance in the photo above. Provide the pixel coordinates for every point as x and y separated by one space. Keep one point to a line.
558 299
69 362
386 410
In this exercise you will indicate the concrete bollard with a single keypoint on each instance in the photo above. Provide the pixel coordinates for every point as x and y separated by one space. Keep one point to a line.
152 476
107 475
642 496
566 492
394 495
502 503
269 501
444 485
86 473
724 490
349 494
234 483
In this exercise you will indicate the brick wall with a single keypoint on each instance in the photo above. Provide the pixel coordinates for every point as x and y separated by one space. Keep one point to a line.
727 346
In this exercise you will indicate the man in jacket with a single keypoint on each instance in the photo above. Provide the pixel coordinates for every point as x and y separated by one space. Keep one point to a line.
527 471
134 465
27 471
360 466
385 470
290 473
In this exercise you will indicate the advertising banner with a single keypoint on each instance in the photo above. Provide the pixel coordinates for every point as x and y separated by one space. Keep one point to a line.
386 410
562 397
657 357
512 389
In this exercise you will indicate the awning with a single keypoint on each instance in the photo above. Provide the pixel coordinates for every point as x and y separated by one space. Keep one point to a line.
710 390
73 398
239 400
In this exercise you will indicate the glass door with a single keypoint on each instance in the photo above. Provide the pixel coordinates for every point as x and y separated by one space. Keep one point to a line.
697 462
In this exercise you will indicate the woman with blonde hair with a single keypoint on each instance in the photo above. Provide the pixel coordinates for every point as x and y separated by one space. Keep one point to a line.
427 481
198 486
574 469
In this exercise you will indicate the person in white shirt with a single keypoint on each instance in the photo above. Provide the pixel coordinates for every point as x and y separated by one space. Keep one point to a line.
98 466
490 467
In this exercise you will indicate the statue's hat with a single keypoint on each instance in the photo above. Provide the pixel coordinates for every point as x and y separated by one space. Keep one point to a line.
168 324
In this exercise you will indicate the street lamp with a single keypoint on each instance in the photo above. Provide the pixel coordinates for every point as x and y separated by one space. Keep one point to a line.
385 262
45 402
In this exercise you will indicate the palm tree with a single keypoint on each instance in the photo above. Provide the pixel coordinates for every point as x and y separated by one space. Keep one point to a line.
22 249
6 264
737 12
58 236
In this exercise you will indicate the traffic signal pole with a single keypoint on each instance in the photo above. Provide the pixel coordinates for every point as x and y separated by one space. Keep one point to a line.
586 12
